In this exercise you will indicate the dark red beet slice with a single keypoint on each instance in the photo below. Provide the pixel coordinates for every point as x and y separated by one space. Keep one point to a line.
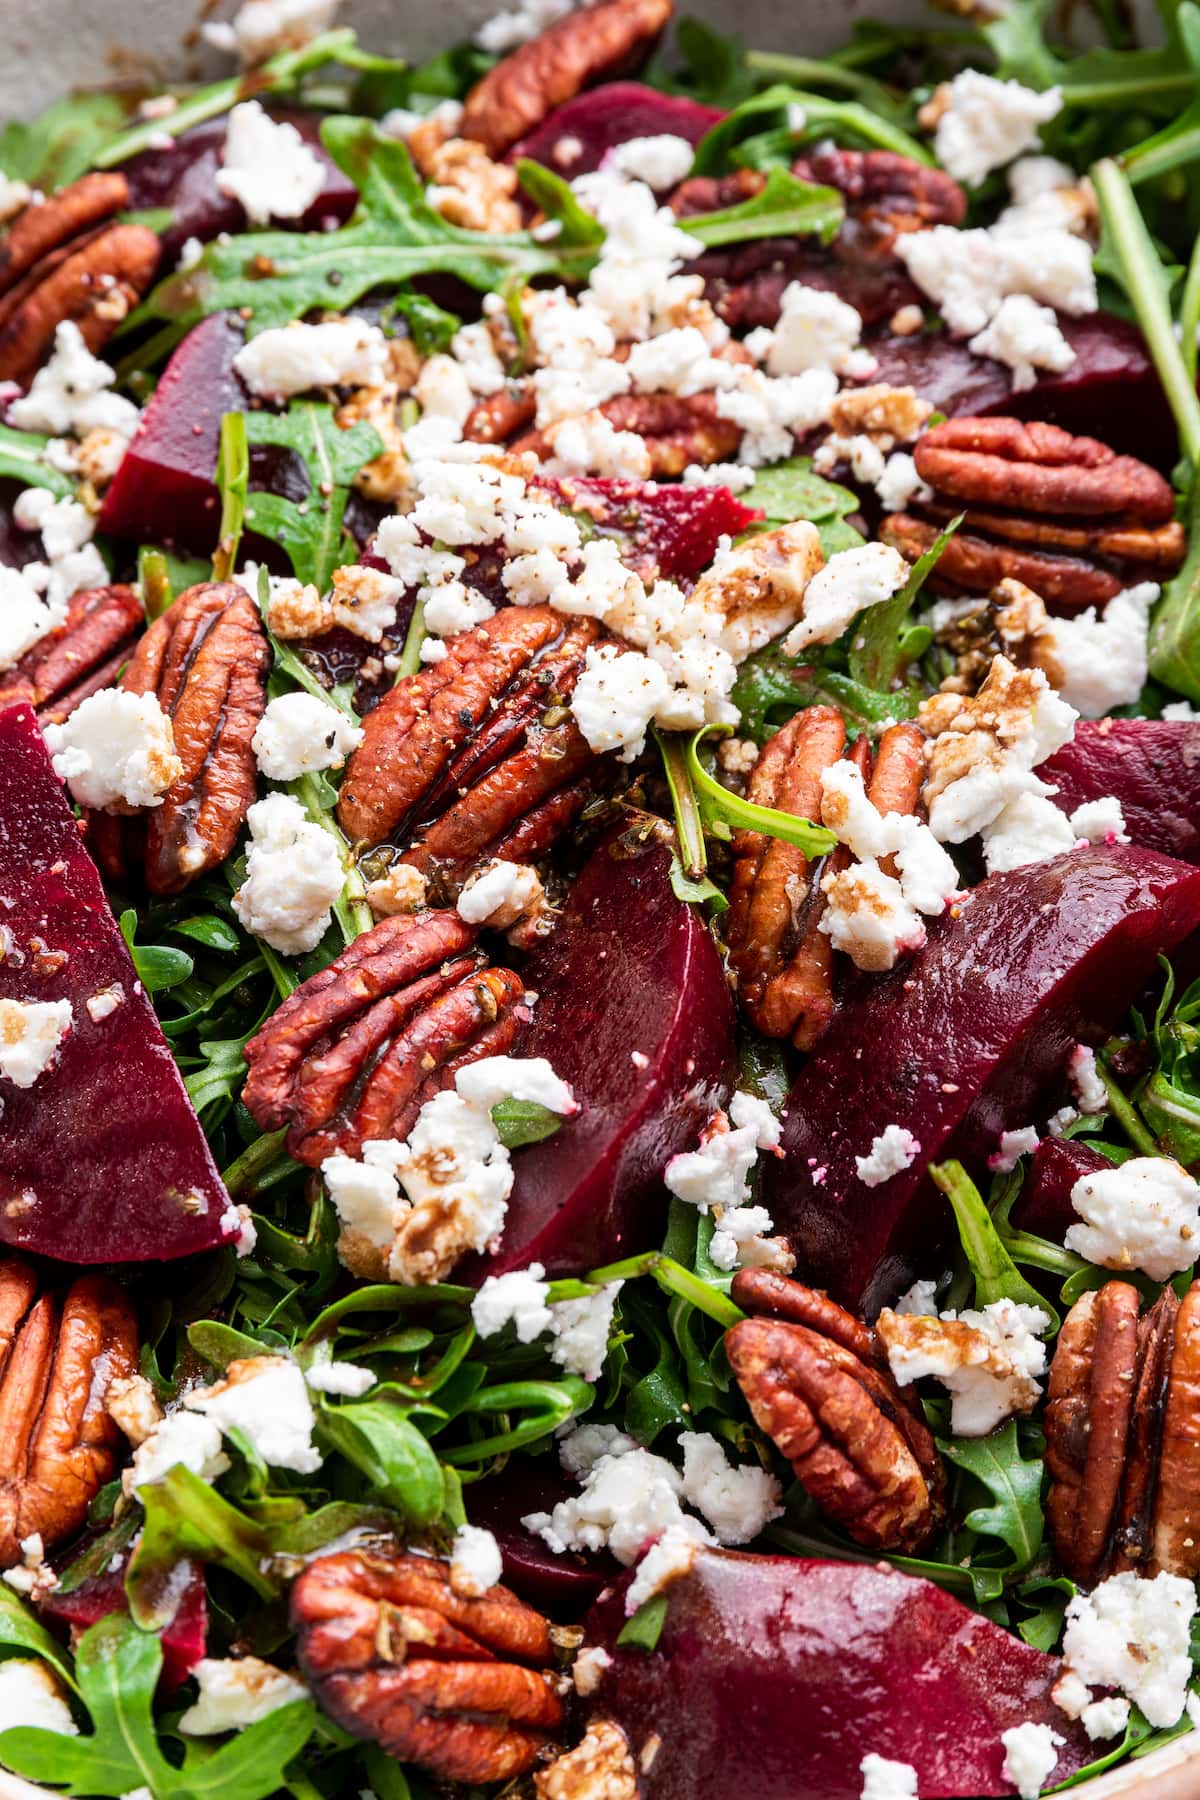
184 178
562 1586
102 1159
1043 1207
959 1044
668 529
604 117
630 970
1153 768
183 1640
746 283
774 1676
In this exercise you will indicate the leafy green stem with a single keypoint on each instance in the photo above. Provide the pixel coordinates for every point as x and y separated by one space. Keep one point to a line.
256 1157
1125 1114
350 909
233 484
673 1278
410 657
720 810
689 825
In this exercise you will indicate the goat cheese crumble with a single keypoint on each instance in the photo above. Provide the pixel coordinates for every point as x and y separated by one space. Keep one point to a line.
31 1694
267 166
988 1360
1133 1633
295 358
299 734
116 749
294 874
884 1779
236 1692
893 1151
1030 1753
475 1562
987 123
1143 1214
265 1398
31 1034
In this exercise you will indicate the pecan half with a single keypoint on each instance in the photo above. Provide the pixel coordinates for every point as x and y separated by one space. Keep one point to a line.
886 194
82 654
783 961
526 86
58 1354
61 261
1123 1435
356 1051
394 1655
817 1385
1065 515
206 659
478 756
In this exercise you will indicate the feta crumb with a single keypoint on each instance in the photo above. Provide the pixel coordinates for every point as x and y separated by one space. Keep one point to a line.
236 1692
16 195
588 1669
1105 1718
893 1151
663 1564
298 734
970 272
261 27
293 876
508 28
920 1301
989 1360
1101 661
1100 821
499 894
737 477
475 1562
899 485
1029 829
518 1298
31 1694
31 1033
616 697
850 582
1030 1753
987 123
582 1447
1013 1146
717 1175
296 358
1143 1214
401 890
739 1500
267 166
69 392
25 617
884 1779
181 1439
867 917
581 1330
1132 1633
364 601
265 1398
1026 337
133 1406
816 330
347 1378
116 748
1086 1080
661 161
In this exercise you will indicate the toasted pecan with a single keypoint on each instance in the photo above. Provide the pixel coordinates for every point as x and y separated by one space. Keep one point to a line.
82 654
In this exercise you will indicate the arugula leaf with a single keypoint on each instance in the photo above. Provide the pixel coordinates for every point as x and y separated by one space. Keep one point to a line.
187 1517
62 142
233 485
118 1668
884 643
524 1122
430 325
159 966
21 1630
401 1469
1015 1487
1017 37
311 531
792 490
721 810
840 119
996 1274
715 69
770 684
553 196
1175 626
786 207
22 456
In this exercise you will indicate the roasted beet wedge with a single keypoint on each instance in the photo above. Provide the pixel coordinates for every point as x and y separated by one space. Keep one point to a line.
562 1586
774 1676
102 1159
1152 766
670 531
577 137
959 1044
1043 1206
182 1640
634 1012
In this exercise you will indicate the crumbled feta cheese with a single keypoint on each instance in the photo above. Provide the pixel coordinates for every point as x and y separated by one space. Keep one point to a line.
293 876
1101 661
1180 710
116 748
16 195
661 161
1029 829
737 477
31 1032
298 734
772 412
236 1692
294 609
970 273
347 1378
1012 1147
499 894
1026 337
616 697
1030 1753
1086 1080
899 485
1100 821
988 1359
850 582
664 1563
69 392
987 123
893 1151
31 1694
920 1301
364 601
133 1406
262 27
1144 1214
588 444
884 1779
739 1500
867 917
750 594
401 890
588 1669
265 1398
873 916
506 29
816 330
296 358
25 617
1105 1718
475 1562
181 1440
367 1197
494 1078
1132 1633
718 1173
64 525
267 166
581 1330
518 1298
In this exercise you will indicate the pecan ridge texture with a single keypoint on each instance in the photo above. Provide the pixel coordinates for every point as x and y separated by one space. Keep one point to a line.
79 656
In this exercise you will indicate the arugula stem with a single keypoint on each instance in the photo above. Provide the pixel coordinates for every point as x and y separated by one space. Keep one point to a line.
280 71
254 1159
350 909
1189 313
233 484
800 69
673 1278
1093 94
720 810
1038 1253
285 981
1143 281
1124 1113
688 824
154 579
410 656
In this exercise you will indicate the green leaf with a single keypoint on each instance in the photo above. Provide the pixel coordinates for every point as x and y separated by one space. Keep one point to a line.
844 120
233 483
791 490
722 810
1017 38
401 1468
213 932
996 1274
786 207
771 686
553 196
1014 1484
22 458
1175 627
643 1631
883 643
21 1630
187 1517
311 531
524 1122
158 965
716 71
430 325
61 143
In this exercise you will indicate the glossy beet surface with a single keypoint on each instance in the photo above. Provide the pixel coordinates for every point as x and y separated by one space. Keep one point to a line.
184 178
577 137
1152 766
958 1044
630 970
102 1159
561 1586
665 530
183 1640
1043 1207
775 1676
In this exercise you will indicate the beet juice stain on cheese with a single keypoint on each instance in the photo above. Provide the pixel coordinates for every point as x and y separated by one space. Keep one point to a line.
600 914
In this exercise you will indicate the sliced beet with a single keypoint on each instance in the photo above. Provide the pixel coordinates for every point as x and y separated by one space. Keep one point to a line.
182 1640
774 1676
102 1159
562 1586
629 973
666 530
958 1044
1043 1207
1152 766
746 282
184 178
597 121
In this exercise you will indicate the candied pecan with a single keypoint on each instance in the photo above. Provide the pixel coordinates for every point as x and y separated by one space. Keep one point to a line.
526 86
600 1767
206 660
469 189
886 194
713 193
1035 467
395 1656
499 417
82 654
478 755
56 221
1123 1435
356 1051
975 565
58 1354
94 282
818 1386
